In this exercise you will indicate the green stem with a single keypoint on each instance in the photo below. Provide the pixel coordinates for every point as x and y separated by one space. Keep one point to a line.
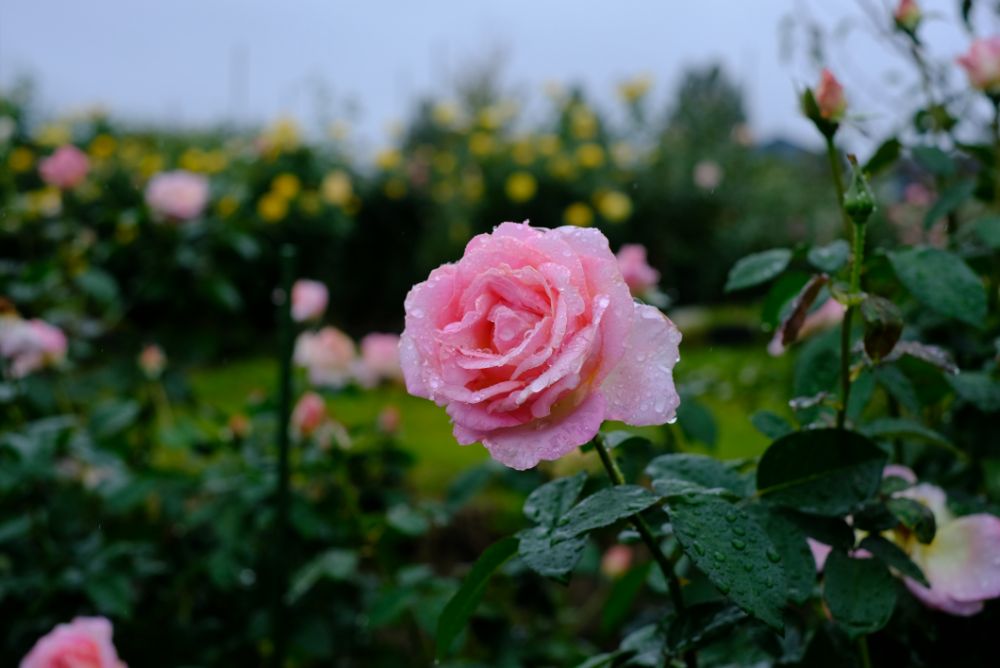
866 660
640 524
857 259
838 182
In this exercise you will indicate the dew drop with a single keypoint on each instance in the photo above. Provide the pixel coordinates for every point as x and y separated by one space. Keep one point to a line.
738 544
773 555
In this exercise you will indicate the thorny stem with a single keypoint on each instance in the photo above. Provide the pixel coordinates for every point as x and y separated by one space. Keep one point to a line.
640 524
838 182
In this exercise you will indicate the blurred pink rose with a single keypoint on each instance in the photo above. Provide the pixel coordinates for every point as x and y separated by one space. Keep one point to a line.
917 194
389 419
616 561
66 168
830 314
83 643
308 300
178 195
328 356
707 174
908 14
152 361
309 414
379 359
638 275
830 97
30 345
982 64
532 339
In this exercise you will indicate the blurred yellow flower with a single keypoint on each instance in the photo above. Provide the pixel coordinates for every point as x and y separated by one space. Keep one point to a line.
490 117
387 159
286 185
272 207
523 151
614 205
521 186
21 159
480 144
283 135
214 161
191 160
102 146
445 162
54 134
548 145
561 167
45 202
150 164
623 154
226 206
578 214
336 188
444 114
582 122
310 203
394 188
633 90
590 155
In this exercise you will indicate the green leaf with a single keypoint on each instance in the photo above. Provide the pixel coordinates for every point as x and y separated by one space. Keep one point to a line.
224 293
942 281
831 257
820 471
460 607
733 551
701 623
771 424
618 437
934 160
818 365
949 201
549 502
697 422
547 554
623 593
978 388
110 593
700 470
988 229
831 531
758 268
915 516
335 564
796 557
99 285
779 297
889 428
861 593
883 158
407 520
893 556
899 386
604 507
113 417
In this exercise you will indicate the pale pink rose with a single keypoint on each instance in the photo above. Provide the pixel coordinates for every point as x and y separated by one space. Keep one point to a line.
638 275
379 359
328 356
830 97
66 168
389 419
707 174
308 300
830 314
616 561
820 552
30 345
908 14
982 64
177 195
531 340
309 414
83 643
152 361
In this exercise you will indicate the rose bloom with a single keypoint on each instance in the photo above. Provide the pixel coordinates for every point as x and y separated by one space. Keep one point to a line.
638 275
309 414
707 174
152 361
328 356
308 300
83 643
30 345
177 195
908 14
830 97
616 561
982 64
379 359
531 340
66 168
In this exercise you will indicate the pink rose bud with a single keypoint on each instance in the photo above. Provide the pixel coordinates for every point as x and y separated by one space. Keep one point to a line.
532 339
309 414
616 561
982 64
177 195
328 356
308 300
638 275
389 420
379 359
152 361
30 345
83 643
66 168
908 15
830 97
830 314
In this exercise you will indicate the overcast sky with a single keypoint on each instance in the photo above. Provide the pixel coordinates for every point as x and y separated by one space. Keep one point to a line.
203 61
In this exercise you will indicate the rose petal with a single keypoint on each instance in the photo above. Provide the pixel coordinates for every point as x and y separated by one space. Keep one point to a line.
963 561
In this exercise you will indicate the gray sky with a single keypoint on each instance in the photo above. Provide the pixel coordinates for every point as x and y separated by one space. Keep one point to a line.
180 60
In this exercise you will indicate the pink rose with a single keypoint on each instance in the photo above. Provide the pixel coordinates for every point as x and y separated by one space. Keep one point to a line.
638 275
328 355
532 339
152 361
177 195
616 561
30 345
389 419
379 359
982 64
308 300
309 414
83 643
66 168
707 174
908 15
830 97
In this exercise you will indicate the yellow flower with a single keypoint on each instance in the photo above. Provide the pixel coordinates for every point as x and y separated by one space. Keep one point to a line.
286 185
490 117
480 144
150 164
54 134
562 167
310 203
336 188
45 202
21 159
521 186
395 188
582 122
633 90
523 152
623 154
283 135
590 155
191 160
548 145
214 161
226 206
444 114
388 159
579 214
272 207
614 205
103 146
